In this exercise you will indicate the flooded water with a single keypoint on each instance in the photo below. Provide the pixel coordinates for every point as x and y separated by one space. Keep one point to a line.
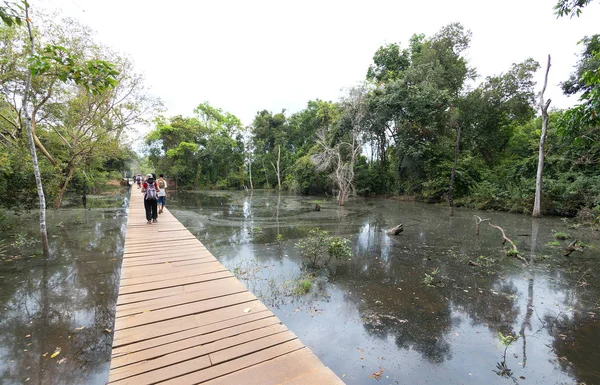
56 313
372 319
377 318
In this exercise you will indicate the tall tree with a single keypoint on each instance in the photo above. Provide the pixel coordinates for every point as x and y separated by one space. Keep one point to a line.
537 205
28 127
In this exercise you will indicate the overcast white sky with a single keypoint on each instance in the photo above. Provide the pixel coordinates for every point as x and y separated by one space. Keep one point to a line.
245 56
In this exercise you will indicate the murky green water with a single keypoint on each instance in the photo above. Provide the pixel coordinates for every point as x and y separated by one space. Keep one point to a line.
370 315
374 318
63 303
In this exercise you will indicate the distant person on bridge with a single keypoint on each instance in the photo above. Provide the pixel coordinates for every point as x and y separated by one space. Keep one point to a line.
150 189
162 193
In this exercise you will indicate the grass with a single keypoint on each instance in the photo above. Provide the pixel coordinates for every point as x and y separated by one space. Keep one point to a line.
561 235
303 286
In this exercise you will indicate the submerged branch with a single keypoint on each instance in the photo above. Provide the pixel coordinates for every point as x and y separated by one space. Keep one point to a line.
515 250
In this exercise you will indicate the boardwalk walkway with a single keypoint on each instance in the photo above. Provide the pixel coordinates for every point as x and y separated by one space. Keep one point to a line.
183 318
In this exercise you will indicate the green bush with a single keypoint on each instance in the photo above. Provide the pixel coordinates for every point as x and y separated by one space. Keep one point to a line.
319 248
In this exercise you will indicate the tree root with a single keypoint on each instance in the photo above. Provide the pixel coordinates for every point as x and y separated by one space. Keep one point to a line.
515 250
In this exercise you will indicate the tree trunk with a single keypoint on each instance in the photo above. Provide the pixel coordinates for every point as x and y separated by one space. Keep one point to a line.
537 206
63 187
278 170
84 197
250 174
34 159
453 173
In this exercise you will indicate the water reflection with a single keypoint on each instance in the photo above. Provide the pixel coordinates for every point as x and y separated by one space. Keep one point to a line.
375 312
63 303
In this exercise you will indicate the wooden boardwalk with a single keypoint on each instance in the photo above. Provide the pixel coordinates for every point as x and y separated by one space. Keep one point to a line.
183 318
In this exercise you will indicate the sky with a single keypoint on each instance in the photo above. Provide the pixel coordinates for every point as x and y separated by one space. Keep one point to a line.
247 56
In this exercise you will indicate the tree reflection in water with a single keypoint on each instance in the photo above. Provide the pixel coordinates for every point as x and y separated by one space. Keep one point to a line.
44 301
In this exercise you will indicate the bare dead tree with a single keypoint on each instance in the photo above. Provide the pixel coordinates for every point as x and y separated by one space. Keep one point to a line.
343 154
514 247
478 221
537 205
277 170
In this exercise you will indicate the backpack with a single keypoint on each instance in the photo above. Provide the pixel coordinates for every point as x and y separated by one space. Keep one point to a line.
151 190
161 184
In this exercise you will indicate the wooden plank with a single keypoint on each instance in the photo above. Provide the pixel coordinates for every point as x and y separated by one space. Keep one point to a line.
161 293
170 251
164 374
215 371
162 328
289 367
157 260
212 273
154 366
169 274
251 347
183 310
157 341
231 286
188 339
168 257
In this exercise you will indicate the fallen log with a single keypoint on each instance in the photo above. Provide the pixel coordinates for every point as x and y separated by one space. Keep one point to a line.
573 246
396 230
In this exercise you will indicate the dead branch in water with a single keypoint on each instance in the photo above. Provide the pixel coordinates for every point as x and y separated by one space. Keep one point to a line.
573 246
514 247
478 221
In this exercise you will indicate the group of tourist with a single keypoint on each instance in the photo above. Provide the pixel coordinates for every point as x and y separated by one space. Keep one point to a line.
155 194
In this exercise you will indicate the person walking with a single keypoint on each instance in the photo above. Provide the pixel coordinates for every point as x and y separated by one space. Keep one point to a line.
150 189
162 193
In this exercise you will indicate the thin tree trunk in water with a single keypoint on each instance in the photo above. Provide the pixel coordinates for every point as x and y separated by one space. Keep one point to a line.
453 173
265 169
278 171
34 159
250 173
537 206
63 187
84 198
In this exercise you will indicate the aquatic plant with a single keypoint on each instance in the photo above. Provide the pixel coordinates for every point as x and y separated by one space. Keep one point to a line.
319 248
429 278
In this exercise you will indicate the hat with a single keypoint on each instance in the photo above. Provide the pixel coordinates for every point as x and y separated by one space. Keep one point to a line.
149 176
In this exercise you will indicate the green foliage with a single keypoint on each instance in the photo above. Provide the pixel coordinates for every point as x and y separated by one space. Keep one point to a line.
206 150
429 278
561 235
303 287
486 262
319 248
570 7
12 13
507 340
553 244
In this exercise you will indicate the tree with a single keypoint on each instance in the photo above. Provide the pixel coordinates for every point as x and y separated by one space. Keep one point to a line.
204 150
540 169
340 150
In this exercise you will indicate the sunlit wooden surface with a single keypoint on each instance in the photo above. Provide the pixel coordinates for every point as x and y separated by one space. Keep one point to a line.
183 318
